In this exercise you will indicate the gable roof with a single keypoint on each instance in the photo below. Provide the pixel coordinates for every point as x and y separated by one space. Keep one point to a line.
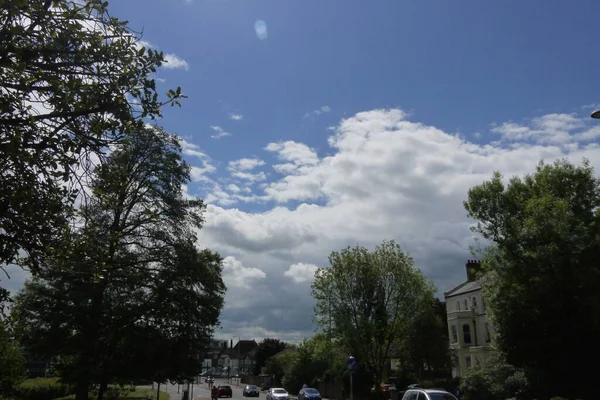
245 346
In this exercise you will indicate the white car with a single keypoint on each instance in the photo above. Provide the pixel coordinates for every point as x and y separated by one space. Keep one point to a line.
278 394
427 394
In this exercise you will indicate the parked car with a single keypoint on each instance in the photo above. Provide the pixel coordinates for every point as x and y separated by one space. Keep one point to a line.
278 394
387 389
309 394
427 394
251 391
225 391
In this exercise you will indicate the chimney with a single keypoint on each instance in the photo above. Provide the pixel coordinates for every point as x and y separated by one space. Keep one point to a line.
231 343
473 269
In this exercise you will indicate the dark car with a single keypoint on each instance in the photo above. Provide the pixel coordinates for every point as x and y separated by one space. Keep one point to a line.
309 394
251 391
225 391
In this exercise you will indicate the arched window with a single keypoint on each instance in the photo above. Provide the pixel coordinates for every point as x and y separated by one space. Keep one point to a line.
466 334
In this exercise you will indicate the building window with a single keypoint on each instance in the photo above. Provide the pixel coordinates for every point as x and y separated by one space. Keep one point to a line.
466 334
488 336
458 306
468 361
474 302
454 334
466 304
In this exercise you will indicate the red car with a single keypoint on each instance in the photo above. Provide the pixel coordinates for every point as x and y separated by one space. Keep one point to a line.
386 390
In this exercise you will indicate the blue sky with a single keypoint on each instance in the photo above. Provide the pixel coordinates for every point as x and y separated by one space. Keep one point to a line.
353 122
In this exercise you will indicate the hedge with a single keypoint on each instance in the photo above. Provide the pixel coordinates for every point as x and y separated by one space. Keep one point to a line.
42 389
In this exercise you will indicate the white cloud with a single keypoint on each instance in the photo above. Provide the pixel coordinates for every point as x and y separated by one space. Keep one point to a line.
301 272
233 188
318 111
296 153
236 275
245 164
219 132
248 176
198 174
547 129
384 176
192 149
236 117
173 62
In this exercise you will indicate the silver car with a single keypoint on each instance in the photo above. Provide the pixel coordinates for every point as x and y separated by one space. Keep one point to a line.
278 394
427 394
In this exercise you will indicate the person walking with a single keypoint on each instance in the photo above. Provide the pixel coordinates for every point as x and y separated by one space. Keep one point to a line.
214 393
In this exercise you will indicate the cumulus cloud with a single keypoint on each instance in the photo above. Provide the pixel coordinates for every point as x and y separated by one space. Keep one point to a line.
219 132
237 276
384 176
171 61
245 164
174 62
301 272
236 117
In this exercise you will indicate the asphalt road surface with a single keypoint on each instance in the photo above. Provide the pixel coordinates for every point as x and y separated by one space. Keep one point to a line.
202 392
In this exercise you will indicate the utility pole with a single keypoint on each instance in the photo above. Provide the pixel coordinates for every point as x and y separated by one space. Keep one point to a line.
239 360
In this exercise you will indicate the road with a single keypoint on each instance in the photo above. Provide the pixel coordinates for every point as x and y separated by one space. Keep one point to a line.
201 391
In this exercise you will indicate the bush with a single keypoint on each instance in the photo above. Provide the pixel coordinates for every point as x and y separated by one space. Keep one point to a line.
42 389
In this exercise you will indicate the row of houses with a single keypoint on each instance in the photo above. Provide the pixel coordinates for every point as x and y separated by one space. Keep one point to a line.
226 358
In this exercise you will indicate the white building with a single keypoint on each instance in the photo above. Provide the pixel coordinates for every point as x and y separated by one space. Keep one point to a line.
469 329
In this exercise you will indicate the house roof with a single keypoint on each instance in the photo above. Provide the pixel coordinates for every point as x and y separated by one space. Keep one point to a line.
245 346
465 287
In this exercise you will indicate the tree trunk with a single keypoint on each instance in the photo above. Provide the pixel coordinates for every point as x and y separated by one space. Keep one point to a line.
81 393
103 387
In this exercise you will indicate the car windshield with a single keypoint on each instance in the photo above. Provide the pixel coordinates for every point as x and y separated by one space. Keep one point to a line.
225 387
441 396
311 391
252 387
279 391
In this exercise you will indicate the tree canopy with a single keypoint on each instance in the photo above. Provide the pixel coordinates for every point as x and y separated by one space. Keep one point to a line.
127 295
73 80
542 272
266 349
368 301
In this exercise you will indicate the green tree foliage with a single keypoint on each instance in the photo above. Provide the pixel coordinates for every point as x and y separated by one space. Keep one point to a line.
542 272
426 350
316 360
73 80
495 379
12 361
127 295
266 349
280 366
369 300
